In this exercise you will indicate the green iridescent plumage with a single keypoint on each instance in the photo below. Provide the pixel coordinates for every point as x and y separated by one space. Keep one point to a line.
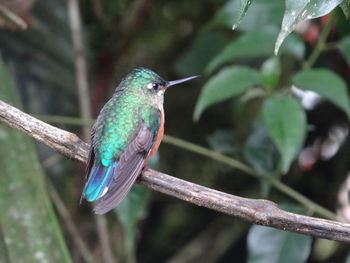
124 134
120 118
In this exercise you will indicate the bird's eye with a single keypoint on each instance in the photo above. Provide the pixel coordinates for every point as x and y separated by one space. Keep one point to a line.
154 86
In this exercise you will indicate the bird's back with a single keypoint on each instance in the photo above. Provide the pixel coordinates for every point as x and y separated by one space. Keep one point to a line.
116 126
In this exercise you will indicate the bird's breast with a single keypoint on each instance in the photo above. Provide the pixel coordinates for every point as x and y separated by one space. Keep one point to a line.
160 135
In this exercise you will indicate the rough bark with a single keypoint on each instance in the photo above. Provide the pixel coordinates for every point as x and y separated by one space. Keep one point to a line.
261 212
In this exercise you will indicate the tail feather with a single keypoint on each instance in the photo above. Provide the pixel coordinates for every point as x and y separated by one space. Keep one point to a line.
99 179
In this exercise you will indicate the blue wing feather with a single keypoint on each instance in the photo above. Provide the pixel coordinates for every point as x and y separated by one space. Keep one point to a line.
99 179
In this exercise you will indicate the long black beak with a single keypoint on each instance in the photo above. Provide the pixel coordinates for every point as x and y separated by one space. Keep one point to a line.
178 81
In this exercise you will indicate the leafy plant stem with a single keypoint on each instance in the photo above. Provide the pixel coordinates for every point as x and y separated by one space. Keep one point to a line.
331 46
319 48
309 204
76 121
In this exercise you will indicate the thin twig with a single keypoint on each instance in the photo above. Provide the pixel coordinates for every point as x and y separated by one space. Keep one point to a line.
257 211
105 244
211 243
320 46
68 220
12 17
85 110
80 63
98 11
58 119
280 186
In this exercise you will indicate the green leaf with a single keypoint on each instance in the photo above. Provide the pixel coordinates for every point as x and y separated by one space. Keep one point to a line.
232 13
28 222
229 82
269 245
286 124
263 13
300 10
348 259
344 47
271 71
261 153
256 44
327 84
255 19
224 141
129 213
345 6
243 8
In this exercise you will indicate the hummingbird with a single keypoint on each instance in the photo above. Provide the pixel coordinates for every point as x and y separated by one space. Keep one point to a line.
127 132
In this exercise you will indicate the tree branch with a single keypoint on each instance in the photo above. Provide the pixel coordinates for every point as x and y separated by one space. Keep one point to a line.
66 143
261 212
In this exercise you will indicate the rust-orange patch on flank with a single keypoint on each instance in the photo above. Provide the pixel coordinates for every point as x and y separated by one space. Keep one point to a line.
159 136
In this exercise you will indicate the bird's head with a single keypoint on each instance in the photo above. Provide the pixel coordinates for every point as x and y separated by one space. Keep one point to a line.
150 84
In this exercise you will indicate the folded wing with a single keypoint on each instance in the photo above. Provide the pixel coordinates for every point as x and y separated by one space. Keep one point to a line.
129 166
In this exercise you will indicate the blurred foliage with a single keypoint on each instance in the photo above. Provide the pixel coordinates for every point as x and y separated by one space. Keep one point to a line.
319 81
279 246
129 213
286 123
215 89
29 225
300 10
254 107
